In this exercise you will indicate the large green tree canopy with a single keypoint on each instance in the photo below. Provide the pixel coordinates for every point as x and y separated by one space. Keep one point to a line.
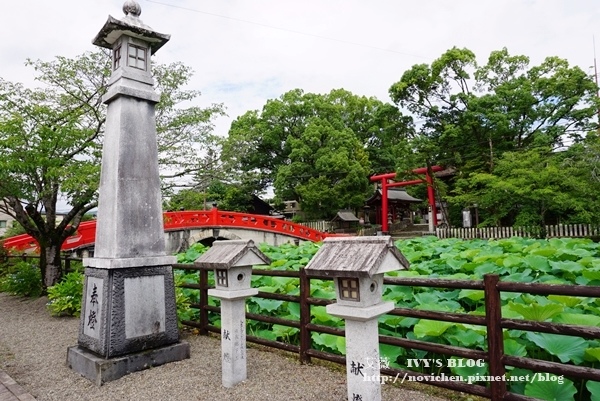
50 143
318 149
500 126
472 114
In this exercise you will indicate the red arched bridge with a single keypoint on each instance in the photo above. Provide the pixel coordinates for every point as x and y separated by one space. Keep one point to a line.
205 224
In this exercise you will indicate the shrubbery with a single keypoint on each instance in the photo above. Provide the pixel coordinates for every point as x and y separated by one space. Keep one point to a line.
66 296
23 279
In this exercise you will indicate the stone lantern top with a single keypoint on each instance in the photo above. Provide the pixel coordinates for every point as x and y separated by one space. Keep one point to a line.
356 257
132 7
130 25
232 253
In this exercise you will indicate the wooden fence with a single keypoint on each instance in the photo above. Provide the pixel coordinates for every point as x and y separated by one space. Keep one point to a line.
66 265
321 225
555 231
492 321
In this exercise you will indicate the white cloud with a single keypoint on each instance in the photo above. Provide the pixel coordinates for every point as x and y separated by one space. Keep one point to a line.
245 52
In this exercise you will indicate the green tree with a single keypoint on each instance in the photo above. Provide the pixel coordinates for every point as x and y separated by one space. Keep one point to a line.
50 141
232 197
186 144
473 114
318 149
187 199
327 170
527 188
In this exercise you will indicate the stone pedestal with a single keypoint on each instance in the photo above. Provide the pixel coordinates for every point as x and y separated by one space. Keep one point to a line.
101 370
128 322
233 334
362 349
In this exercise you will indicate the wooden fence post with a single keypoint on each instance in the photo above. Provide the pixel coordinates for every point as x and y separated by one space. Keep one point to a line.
305 341
493 314
203 301
67 265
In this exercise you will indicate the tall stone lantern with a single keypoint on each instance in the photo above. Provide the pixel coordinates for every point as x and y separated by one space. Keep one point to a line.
357 265
128 318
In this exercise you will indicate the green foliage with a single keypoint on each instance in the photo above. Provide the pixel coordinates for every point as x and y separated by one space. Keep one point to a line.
500 125
192 253
13 230
232 197
66 296
318 149
473 114
564 261
289 256
50 141
551 387
183 297
22 279
526 188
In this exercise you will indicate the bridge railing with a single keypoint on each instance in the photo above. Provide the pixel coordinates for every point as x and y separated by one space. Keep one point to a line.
220 218
181 220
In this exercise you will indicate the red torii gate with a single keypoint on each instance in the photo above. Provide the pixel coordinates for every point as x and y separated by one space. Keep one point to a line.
385 185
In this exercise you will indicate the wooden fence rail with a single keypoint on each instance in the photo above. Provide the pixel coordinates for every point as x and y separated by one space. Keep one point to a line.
493 321
66 266
550 231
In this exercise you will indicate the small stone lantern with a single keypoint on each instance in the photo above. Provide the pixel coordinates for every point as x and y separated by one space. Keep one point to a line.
232 263
357 265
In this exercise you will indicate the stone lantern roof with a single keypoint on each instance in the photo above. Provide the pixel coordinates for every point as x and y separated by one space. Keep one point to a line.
356 257
130 25
232 253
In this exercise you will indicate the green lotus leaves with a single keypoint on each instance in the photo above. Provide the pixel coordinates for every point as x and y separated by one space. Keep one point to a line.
565 348
577 319
432 328
594 389
555 261
552 388
535 311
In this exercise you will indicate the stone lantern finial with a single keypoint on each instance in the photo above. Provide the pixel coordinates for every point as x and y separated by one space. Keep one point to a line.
132 7
132 11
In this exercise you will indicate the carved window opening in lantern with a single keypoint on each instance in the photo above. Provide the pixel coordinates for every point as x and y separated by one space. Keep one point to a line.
136 57
349 290
222 277
117 57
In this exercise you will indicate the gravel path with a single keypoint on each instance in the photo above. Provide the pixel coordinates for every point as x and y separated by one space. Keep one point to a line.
33 349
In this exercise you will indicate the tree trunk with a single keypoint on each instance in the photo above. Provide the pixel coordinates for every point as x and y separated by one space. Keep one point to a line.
50 264
491 144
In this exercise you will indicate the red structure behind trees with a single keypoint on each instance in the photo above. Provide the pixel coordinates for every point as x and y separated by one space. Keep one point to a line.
428 171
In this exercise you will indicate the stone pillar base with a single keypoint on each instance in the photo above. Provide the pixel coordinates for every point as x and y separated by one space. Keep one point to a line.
100 370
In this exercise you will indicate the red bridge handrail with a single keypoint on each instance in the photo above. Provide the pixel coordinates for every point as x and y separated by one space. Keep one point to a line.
174 221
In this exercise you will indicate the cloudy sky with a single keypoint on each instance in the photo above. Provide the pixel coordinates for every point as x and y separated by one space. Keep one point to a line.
245 52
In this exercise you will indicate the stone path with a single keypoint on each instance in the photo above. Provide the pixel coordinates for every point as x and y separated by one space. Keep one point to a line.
11 391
